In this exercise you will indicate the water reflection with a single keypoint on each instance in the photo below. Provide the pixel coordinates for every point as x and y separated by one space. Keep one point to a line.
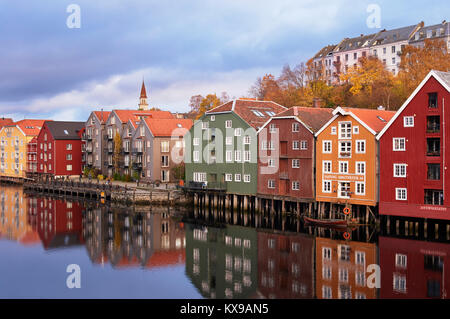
219 255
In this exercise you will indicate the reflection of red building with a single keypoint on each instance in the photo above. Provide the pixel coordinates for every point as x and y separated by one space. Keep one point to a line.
285 265
58 223
413 269
32 156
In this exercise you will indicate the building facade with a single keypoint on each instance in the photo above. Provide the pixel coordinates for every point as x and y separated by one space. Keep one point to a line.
413 153
14 146
287 152
95 139
59 148
221 147
347 157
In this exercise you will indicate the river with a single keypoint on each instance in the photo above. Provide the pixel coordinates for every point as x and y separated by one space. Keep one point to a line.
61 248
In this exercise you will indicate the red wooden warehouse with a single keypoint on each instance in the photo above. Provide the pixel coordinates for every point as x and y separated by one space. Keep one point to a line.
59 148
414 153
287 148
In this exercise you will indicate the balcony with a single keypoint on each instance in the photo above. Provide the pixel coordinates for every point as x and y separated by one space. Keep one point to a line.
211 186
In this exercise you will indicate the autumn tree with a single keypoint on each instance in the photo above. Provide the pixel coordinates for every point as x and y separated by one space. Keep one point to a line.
117 152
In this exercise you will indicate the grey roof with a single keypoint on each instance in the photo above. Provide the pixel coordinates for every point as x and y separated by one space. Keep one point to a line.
436 31
324 51
445 76
394 35
61 130
349 44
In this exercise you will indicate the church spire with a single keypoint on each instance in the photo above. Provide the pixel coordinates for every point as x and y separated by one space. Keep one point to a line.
143 105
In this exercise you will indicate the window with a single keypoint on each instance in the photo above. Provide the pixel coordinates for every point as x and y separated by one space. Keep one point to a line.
360 188
360 168
165 176
247 139
272 128
238 131
68 168
326 272
326 166
295 163
360 278
327 292
433 146
355 129
246 178
165 146
400 194
400 260
271 162
345 149
229 156
205 125
237 156
432 100
303 145
433 262
399 283
271 183
247 156
295 145
326 253
343 167
326 186
360 258
228 177
69 147
360 147
344 189
434 197
295 127
196 156
344 252
408 121
326 147
228 124
199 177
196 141
164 161
213 118
237 177
434 172
295 186
393 49
433 124
333 130
399 170
399 144
229 140
68 157
345 130
343 275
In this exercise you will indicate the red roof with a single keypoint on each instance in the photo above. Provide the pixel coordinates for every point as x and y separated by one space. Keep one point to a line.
165 127
255 113
102 115
5 121
30 127
167 258
375 119
314 118
126 115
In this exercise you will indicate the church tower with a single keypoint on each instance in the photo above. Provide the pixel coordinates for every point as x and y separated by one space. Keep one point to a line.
143 105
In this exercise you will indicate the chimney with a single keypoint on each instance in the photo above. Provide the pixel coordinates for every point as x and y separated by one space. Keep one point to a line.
317 102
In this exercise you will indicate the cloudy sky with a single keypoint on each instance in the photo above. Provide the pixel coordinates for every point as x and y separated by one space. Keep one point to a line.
181 48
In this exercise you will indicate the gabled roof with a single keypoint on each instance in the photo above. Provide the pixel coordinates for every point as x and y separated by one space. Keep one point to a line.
432 32
373 120
324 51
5 121
126 115
30 127
395 35
255 113
442 77
62 130
349 44
166 127
102 115
313 118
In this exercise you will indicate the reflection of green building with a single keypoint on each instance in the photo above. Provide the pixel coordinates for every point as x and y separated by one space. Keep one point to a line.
222 262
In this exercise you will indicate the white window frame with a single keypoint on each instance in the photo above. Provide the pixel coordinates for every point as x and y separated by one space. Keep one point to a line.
324 188
237 131
355 129
345 135
399 166
303 145
228 124
324 144
196 156
229 156
408 121
237 156
343 162
247 140
357 146
228 177
247 156
357 191
325 164
358 165
237 177
247 178
271 184
297 161
398 191
213 118
295 186
399 139
295 145
295 127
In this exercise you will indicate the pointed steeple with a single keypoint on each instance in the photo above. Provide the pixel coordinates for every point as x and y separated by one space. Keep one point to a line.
143 105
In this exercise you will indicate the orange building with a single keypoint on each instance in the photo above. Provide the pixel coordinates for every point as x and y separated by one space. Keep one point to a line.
341 269
346 158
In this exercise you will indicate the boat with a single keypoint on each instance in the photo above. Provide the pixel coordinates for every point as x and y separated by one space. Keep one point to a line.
326 222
